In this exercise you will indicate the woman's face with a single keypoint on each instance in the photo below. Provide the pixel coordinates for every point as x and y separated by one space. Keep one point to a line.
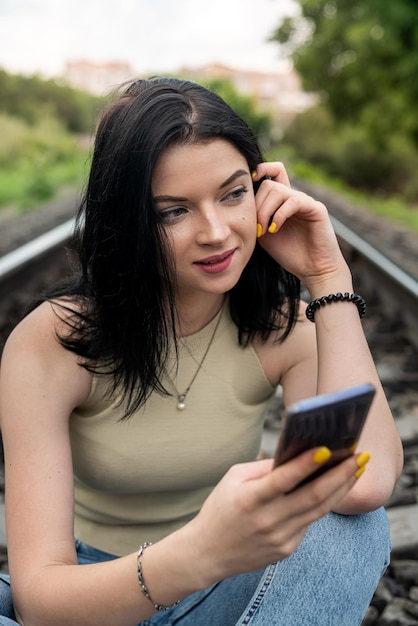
204 195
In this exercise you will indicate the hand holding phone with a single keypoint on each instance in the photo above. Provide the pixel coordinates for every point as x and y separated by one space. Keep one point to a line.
334 420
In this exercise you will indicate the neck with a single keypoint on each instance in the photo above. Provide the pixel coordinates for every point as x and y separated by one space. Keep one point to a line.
194 315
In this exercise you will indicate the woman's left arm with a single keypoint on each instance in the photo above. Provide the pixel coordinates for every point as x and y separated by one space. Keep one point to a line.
332 353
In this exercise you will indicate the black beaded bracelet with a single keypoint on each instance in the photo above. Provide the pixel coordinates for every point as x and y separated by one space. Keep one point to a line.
336 297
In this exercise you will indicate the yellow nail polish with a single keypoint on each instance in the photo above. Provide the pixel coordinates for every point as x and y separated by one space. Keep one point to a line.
360 471
362 459
259 230
322 455
253 174
272 227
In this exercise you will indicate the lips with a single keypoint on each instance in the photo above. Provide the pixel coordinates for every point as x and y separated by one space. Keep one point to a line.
216 258
216 263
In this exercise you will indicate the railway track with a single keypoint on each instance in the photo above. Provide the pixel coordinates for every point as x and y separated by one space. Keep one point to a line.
391 325
43 259
382 279
29 269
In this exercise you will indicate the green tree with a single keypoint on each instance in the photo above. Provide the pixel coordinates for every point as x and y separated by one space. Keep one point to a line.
362 57
31 98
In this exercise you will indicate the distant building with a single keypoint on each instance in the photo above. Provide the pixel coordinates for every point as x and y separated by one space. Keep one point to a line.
278 92
97 78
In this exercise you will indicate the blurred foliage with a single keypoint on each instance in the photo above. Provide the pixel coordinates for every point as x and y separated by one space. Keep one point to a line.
41 125
31 99
20 140
362 58
35 160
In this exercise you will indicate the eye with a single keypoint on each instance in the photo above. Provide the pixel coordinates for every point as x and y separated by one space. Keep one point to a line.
236 195
172 214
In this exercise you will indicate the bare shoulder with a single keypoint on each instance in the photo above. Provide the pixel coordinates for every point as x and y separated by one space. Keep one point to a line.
296 353
44 321
33 353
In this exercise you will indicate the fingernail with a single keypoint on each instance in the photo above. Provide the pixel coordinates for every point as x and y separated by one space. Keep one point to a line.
259 230
272 228
322 455
253 174
362 459
360 471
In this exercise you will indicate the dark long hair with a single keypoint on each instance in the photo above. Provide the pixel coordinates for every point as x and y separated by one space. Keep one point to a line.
124 320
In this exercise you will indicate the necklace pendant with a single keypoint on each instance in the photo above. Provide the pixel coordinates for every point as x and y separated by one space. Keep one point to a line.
181 397
181 404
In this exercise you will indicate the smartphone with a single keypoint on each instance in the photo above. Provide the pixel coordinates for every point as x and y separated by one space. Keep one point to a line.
334 420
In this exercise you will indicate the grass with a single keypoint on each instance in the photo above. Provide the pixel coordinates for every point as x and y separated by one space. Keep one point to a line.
10 183
26 185
36 161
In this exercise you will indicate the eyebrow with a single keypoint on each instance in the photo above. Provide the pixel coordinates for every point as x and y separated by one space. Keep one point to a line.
227 182
231 179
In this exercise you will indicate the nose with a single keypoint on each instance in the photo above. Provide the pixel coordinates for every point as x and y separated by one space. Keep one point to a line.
214 227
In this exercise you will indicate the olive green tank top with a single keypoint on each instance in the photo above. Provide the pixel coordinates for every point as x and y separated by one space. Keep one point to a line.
142 478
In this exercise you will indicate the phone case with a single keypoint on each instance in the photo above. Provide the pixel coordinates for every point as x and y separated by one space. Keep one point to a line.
334 420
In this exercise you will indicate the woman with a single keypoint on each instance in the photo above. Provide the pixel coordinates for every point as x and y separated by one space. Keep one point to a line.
132 398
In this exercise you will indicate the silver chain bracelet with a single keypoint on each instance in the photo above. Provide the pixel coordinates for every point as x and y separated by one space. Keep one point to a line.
144 588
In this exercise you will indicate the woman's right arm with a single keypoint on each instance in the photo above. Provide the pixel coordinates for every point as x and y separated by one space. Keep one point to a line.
40 385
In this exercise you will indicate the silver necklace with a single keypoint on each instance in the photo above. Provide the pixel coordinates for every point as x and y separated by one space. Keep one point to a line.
181 397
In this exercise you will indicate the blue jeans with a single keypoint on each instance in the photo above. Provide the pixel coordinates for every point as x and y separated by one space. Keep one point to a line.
328 581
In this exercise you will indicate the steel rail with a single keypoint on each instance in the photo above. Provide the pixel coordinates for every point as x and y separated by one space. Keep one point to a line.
15 261
397 288
26 254
376 258
393 286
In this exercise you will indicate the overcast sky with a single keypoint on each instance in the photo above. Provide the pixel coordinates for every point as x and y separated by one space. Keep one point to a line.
151 35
